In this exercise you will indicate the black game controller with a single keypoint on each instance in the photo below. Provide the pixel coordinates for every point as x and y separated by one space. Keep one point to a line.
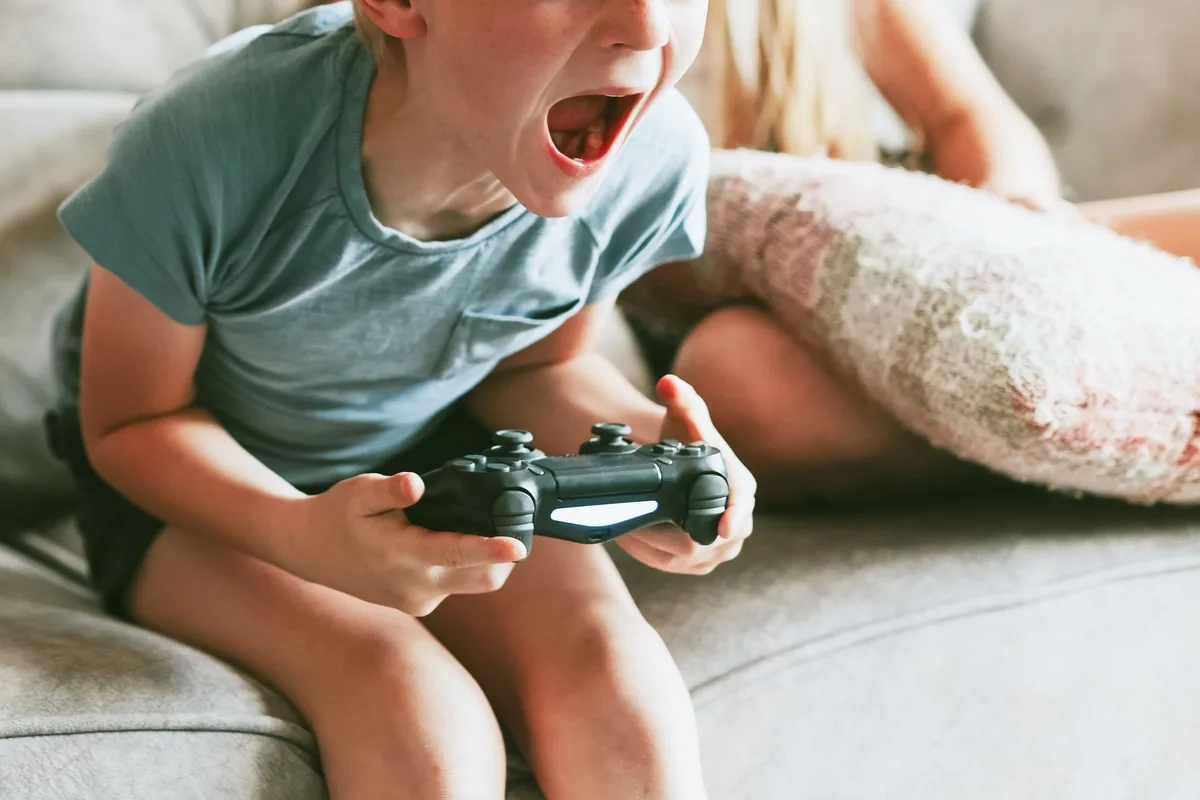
610 488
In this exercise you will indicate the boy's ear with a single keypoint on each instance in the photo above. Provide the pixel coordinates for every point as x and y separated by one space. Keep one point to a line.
397 18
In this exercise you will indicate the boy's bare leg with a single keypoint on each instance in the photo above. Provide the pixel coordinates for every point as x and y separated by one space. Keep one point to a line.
806 433
395 715
585 685
1170 221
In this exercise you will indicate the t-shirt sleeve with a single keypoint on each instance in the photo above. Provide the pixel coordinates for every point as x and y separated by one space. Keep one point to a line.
152 215
667 219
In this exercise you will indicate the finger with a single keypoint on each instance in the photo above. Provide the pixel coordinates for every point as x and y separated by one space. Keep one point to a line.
738 520
472 580
382 493
684 403
647 554
462 550
670 540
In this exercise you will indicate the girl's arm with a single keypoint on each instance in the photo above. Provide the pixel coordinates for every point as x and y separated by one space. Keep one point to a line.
927 67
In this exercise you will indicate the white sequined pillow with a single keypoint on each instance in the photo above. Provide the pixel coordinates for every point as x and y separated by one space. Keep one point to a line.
1053 352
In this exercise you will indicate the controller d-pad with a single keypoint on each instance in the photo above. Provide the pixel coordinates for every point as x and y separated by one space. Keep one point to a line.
463 465
663 449
498 467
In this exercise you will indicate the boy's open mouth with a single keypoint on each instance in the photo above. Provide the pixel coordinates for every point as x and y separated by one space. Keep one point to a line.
583 128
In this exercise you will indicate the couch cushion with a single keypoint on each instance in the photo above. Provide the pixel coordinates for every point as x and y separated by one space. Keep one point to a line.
1024 646
91 707
1027 647
124 45
39 267
1109 82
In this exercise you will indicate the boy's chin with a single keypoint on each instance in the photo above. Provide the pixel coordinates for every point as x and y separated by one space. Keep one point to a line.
561 202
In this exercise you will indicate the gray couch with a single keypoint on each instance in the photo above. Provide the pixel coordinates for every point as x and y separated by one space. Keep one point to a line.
1016 646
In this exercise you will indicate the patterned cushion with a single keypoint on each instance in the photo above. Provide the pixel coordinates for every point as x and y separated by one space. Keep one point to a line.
1055 353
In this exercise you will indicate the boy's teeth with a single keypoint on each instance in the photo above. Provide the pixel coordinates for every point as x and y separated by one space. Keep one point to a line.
595 139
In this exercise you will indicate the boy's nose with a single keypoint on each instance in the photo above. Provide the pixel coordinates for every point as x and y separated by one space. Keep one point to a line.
637 24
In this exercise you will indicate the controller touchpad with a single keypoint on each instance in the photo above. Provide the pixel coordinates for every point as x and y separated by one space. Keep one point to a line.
585 476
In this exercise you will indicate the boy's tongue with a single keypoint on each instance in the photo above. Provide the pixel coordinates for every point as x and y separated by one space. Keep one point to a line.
576 113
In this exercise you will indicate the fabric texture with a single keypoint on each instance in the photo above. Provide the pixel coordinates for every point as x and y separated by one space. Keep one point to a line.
1052 352
335 341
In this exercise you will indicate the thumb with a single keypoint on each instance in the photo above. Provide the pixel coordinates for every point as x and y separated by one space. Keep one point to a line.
464 550
685 405
383 493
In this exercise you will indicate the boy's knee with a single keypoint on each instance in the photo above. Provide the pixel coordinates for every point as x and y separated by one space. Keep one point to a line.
606 655
381 717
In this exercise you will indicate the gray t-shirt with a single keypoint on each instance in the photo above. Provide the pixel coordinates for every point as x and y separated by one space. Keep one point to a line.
234 197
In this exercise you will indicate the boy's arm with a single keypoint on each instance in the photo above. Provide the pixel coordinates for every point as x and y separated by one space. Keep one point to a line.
144 436
928 68
561 385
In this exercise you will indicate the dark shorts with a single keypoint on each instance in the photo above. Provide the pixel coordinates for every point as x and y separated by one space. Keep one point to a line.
117 534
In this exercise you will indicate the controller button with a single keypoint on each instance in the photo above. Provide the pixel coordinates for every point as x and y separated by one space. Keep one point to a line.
672 443
692 450
462 465
497 467
663 460
536 470
662 448
480 460
513 503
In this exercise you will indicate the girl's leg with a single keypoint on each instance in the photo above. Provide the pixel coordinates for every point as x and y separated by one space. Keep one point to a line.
582 681
1169 221
804 432
395 715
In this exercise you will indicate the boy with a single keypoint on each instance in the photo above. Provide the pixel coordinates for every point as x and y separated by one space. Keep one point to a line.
328 261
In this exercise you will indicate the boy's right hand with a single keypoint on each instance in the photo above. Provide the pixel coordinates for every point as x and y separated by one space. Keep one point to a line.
358 540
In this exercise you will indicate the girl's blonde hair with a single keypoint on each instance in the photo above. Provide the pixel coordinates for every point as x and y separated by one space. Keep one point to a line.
789 78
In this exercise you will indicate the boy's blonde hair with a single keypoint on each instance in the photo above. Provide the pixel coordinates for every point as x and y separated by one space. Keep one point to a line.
378 42
789 78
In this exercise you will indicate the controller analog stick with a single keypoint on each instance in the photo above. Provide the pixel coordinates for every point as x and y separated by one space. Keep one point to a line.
511 443
610 438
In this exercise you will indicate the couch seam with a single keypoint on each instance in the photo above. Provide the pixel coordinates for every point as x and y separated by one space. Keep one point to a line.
811 649
90 724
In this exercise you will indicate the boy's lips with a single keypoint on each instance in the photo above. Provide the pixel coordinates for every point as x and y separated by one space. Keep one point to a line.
582 130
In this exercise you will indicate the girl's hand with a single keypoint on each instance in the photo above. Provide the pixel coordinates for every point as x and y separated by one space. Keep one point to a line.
669 548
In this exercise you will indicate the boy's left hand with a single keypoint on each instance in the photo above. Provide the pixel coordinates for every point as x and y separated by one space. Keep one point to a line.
667 547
